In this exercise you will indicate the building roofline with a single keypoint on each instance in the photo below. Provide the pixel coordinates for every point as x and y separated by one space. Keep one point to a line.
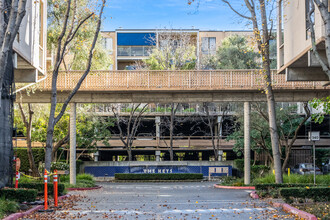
174 30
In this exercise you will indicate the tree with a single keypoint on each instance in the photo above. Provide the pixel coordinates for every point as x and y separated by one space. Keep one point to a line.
73 21
289 125
259 17
132 123
12 13
211 120
76 56
27 120
174 51
234 53
323 6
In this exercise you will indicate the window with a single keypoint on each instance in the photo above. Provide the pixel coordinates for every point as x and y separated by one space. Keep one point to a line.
108 44
307 11
209 45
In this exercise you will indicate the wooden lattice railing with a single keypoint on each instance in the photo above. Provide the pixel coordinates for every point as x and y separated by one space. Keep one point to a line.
174 80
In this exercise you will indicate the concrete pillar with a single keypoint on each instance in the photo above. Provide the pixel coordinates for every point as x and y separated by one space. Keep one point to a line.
157 122
96 155
247 146
157 155
73 143
219 126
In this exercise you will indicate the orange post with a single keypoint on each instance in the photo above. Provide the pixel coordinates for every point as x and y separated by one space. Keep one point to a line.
45 190
16 179
55 188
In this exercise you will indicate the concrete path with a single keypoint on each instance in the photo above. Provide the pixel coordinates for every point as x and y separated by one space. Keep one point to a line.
198 200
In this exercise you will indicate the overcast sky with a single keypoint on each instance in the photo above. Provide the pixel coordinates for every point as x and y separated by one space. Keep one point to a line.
150 14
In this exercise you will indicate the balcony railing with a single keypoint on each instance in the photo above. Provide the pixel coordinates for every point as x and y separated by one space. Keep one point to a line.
174 80
133 51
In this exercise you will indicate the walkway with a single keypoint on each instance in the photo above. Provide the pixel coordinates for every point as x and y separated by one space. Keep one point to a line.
175 86
170 200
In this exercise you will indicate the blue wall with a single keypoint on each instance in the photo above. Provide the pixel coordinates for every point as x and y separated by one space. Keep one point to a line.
101 171
135 39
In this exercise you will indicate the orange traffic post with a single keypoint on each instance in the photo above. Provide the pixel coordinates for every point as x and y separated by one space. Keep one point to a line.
16 179
46 189
45 194
55 188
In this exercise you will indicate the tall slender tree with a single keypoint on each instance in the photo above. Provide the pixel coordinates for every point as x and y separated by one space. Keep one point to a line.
259 14
72 23
12 13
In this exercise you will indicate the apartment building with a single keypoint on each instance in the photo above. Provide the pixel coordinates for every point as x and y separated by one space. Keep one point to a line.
295 58
128 46
30 44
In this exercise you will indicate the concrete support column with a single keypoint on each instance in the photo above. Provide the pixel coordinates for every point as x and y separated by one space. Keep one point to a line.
157 155
73 143
96 155
247 146
157 121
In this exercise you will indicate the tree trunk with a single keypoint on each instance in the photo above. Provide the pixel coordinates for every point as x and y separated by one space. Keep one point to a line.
59 144
6 145
171 131
129 153
273 129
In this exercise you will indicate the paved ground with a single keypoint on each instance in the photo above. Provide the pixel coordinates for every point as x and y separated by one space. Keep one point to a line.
169 201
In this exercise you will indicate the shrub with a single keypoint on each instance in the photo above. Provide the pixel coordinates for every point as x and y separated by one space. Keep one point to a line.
55 166
294 178
259 170
39 186
159 176
7 206
85 176
231 181
317 194
271 186
21 153
19 195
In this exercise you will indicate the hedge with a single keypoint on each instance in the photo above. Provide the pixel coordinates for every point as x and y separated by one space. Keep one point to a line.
21 153
39 186
19 195
159 176
272 186
317 194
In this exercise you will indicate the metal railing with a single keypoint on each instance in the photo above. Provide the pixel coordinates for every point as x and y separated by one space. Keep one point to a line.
174 80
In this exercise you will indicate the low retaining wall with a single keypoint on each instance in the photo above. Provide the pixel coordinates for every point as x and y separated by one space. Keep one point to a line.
109 168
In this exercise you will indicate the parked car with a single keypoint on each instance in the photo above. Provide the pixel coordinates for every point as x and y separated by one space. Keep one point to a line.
326 166
306 168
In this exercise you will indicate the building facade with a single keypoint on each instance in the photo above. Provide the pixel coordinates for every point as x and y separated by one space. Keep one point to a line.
30 44
129 46
295 57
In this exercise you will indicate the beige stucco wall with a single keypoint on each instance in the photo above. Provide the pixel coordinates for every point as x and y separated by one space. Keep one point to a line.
294 25
27 44
221 35
112 34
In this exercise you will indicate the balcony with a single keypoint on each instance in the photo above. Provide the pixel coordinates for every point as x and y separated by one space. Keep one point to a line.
134 51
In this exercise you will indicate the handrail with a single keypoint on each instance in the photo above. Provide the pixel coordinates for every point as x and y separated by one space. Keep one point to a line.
122 80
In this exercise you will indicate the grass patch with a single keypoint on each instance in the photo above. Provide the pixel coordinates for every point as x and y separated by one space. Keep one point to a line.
294 178
82 181
7 207
320 210
231 181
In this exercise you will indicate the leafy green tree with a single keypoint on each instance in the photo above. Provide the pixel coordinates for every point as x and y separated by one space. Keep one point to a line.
289 125
322 106
175 52
235 53
76 56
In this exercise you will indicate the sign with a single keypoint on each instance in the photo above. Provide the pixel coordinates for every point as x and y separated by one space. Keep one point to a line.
101 171
18 163
314 136
62 172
